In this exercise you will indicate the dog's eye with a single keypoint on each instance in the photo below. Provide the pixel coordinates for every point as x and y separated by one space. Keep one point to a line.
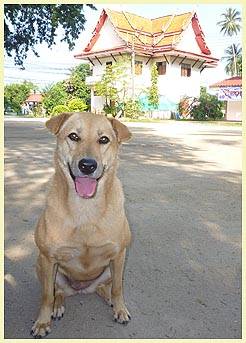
103 140
74 137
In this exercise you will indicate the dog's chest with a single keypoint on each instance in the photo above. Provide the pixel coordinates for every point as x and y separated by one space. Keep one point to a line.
85 256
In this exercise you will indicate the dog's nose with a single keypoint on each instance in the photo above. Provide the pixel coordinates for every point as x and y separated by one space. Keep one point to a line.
87 165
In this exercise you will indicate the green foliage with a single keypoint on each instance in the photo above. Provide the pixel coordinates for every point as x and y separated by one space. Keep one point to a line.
132 109
37 111
27 25
16 93
207 107
114 85
80 72
230 26
55 95
77 81
231 23
107 86
73 89
59 109
76 105
153 96
239 66
110 109
233 60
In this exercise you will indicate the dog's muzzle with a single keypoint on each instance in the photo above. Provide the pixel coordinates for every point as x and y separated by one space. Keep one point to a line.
86 184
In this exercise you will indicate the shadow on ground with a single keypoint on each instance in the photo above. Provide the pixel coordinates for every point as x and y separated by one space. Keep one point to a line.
183 272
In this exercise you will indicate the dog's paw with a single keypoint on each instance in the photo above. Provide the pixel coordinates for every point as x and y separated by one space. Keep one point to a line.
40 330
59 309
58 312
121 314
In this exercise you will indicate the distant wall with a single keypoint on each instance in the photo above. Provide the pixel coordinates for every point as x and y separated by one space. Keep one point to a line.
234 110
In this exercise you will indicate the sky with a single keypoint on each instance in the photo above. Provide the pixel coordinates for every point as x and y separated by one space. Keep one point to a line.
54 64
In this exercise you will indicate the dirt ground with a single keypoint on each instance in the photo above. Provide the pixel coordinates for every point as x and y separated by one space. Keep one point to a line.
182 185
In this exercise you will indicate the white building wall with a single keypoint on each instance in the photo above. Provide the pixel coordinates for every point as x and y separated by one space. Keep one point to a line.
97 103
108 38
188 41
172 85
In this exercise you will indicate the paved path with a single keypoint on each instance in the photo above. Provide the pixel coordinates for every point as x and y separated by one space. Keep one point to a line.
182 184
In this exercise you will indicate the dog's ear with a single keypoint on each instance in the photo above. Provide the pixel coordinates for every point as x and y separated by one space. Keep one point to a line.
54 124
122 132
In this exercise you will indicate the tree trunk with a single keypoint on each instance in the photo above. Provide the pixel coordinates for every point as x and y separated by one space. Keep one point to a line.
235 62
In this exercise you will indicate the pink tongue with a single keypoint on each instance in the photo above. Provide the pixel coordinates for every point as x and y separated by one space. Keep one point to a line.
85 186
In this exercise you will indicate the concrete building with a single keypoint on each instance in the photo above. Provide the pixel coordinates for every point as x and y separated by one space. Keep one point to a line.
230 90
176 44
32 101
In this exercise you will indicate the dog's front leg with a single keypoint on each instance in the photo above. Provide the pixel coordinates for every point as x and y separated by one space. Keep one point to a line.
121 313
46 274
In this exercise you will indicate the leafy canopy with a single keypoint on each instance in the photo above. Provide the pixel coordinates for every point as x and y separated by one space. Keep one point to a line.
25 26
231 23
231 26
74 87
16 93
77 82
233 54
55 95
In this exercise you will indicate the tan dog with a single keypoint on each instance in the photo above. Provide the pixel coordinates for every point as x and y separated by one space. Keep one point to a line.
83 232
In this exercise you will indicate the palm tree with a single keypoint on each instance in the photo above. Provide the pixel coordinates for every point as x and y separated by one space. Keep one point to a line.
230 26
233 54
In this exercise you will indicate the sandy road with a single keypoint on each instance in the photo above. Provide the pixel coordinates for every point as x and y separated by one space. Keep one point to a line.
182 185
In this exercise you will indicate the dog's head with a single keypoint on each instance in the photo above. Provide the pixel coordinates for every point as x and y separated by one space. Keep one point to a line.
87 147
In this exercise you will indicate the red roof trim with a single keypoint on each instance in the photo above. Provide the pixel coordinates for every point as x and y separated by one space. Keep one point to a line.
118 49
95 33
198 55
200 39
149 51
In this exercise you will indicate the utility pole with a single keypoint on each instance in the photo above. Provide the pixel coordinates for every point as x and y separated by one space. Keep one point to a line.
133 54
133 69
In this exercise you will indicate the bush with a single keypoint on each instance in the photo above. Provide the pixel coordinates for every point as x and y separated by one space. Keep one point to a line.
53 95
110 109
59 109
207 107
132 109
37 112
76 105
